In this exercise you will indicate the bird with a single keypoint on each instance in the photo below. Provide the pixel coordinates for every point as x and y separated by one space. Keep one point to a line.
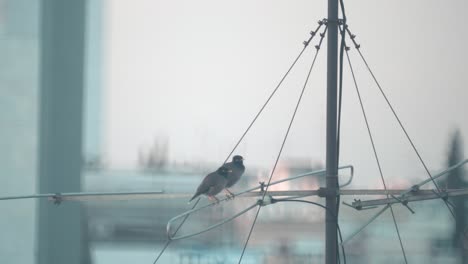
238 168
213 183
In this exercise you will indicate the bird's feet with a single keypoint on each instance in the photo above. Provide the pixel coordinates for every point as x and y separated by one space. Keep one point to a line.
229 194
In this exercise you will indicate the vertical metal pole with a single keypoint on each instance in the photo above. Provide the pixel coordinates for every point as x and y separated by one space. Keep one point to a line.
331 158
60 231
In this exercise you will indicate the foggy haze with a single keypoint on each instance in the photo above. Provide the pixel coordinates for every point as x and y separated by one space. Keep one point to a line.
195 73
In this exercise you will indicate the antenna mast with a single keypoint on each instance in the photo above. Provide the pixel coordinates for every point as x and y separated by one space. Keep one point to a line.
331 149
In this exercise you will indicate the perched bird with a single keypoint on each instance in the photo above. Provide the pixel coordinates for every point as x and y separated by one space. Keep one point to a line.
213 183
238 168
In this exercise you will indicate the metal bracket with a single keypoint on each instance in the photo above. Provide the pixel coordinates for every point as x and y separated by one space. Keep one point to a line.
357 205
326 21
325 192
322 192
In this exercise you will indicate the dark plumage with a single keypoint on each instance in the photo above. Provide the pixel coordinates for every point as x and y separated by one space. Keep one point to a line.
213 183
238 168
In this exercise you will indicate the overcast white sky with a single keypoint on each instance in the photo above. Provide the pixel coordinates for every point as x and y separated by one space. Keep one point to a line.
197 71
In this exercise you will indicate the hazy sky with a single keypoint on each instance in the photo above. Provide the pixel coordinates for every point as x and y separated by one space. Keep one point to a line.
195 72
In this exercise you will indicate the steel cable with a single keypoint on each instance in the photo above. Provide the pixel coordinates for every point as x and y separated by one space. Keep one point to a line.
375 154
306 44
398 119
169 241
283 144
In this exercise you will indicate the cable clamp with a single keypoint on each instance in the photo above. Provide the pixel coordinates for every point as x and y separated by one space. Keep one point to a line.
404 202
415 188
57 198
262 186
442 194
266 200
357 204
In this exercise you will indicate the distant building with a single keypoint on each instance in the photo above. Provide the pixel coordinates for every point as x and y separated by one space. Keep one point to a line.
19 53
94 101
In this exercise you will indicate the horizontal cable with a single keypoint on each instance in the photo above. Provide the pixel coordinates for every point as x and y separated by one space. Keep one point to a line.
418 196
424 194
122 196
289 193
302 193
410 192
80 196
119 196
402 196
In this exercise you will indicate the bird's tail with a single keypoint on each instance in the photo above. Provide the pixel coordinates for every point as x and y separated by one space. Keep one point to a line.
194 196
